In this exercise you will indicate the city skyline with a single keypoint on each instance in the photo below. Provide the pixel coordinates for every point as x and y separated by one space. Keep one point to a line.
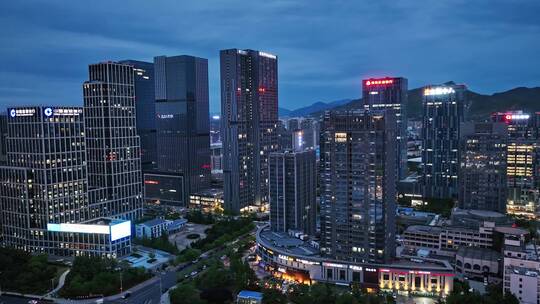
305 45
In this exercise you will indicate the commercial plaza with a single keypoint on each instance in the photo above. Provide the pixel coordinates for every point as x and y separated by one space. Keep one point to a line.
292 259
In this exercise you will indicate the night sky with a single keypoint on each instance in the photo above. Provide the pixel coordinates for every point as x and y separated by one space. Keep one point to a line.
324 47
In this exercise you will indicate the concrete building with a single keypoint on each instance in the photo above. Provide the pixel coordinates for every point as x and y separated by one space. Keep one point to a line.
357 186
249 109
390 94
443 112
157 227
482 171
293 190
521 271
183 134
479 263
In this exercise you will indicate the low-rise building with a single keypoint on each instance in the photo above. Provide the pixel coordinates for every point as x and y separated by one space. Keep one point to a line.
294 259
479 263
521 272
208 200
156 227
249 297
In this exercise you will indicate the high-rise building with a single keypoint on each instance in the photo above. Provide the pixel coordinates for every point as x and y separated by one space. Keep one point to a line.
443 112
309 133
523 163
112 143
44 204
292 191
183 134
285 140
293 124
3 138
358 185
390 94
482 173
249 117
145 109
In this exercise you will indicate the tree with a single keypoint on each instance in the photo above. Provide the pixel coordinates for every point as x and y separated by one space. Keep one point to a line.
273 296
346 298
300 294
188 255
322 293
185 294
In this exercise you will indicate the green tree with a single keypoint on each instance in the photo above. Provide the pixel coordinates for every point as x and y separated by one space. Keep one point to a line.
322 293
346 298
185 294
188 255
273 296
300 294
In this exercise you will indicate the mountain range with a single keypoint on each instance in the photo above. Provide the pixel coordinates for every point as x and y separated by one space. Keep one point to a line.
481 106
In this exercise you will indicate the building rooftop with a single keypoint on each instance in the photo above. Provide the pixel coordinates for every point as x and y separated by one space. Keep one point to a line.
250 294
154 222
288 243
479 253
435 230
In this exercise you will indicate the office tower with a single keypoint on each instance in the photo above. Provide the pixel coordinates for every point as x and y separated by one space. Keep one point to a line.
292 191
43 195
284 137
183 134
215 129
390 94
249 115
216 159
112 143
146 111
523 163
309 132
443 112
298 142
482 173
293 124
358 185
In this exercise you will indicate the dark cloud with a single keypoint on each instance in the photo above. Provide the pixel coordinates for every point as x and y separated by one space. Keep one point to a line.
324 47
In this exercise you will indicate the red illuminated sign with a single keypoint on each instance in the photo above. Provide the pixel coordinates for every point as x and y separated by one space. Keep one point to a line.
151 182
262 90
379 82
206 166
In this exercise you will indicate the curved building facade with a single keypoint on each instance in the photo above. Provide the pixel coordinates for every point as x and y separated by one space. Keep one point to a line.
299 260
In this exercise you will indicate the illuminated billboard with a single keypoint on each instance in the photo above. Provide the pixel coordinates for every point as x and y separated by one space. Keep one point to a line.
116 229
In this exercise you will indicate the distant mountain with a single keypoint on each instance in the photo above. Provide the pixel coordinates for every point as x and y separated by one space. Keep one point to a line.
481 106
316 107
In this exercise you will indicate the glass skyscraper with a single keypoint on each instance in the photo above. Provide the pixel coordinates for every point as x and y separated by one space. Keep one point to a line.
249 118
112 143
183 132
443 112
145 109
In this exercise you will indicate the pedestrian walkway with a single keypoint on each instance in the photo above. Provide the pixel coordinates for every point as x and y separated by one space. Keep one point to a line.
61 282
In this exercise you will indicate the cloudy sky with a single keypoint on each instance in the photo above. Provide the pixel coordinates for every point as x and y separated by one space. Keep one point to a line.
325 47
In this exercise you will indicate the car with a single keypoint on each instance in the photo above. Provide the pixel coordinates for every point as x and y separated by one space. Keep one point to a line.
33 302
193 273
126 295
